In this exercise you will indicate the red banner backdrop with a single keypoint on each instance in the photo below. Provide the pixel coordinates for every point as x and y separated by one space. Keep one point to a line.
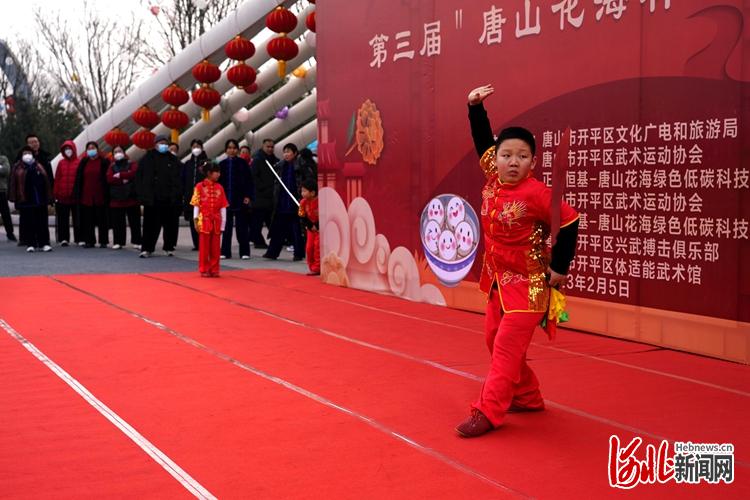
655 93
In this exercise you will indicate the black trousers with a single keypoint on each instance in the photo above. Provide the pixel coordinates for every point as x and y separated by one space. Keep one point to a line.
117 216
93 220
63 213
239 220
259 217
156 218
5 214
33 227
286 226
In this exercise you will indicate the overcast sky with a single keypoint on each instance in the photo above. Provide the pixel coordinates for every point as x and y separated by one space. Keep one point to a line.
18 15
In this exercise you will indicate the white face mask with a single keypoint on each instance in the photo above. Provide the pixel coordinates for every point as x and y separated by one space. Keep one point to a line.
28 158
68 152
119 156
197 151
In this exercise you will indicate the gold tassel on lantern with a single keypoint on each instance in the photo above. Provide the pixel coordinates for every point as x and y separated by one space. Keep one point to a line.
175 135
205 115
282 68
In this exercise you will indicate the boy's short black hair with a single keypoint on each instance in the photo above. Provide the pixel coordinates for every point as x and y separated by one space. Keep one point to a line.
291 147
196 142
517 133
310 185
233 142
92 143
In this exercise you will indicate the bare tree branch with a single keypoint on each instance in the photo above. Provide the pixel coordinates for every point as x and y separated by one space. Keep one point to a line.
182 22
102 73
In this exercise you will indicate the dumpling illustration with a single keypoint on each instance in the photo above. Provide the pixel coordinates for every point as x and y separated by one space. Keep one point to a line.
431 235
464 238
447 246
456 212
436 211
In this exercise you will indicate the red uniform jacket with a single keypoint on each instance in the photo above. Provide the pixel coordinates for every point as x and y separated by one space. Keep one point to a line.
516 222
209 197
309 210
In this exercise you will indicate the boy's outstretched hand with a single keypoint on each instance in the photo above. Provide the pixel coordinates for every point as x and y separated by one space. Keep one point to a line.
556 279
479 94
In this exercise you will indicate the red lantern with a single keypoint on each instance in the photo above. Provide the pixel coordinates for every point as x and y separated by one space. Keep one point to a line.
206 97
239 48
281 20
116 137
175 119
241 75
146 117
252 88
144 139
310 22
283 49
205 72
175 95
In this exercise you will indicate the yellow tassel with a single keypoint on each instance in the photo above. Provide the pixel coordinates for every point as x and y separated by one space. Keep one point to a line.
175 135
205 115
282 68
557 304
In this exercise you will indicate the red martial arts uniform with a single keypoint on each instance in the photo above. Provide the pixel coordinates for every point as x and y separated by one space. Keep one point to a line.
308 209
210 204
516 222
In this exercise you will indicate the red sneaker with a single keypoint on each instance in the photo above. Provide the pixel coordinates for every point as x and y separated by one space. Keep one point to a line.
474 426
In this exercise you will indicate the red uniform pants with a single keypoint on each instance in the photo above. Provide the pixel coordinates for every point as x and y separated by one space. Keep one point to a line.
510 380
312 250
209 252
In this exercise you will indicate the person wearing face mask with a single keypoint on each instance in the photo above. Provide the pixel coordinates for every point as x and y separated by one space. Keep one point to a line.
159 189
245 154
4 208
122 200
31 191
40 155
92 194
65 203
192 174
237 181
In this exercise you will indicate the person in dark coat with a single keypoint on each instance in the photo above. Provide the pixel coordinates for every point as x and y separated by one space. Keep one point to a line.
40 155
237 181
123 202
285 219
91 192
31 191
264 181
159 189
192 174
307 168
4 208
65 202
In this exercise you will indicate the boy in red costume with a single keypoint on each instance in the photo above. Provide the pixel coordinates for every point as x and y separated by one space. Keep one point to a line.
308 212
210 216
518 269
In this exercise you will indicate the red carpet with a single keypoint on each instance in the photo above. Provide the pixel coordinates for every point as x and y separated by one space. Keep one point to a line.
265 384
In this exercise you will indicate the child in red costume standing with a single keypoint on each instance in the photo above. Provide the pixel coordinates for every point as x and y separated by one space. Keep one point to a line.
210 215
519 269
308 212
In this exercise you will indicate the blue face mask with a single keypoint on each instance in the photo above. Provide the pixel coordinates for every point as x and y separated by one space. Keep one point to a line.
91 152
162 148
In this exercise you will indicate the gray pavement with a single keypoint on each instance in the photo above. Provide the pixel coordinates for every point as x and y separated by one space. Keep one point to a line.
15 261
